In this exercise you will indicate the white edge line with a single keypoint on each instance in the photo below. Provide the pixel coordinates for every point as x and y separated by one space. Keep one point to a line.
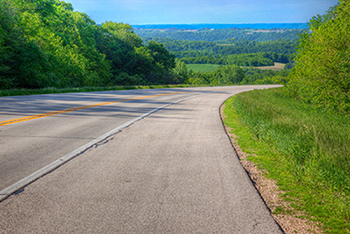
7 192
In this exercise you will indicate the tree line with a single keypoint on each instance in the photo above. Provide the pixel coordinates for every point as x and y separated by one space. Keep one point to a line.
227 47
250 59
231 75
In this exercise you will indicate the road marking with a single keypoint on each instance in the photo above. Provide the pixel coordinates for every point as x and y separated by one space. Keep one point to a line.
38 116
59 162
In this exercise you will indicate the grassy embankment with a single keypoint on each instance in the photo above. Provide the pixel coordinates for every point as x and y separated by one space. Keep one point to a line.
306 150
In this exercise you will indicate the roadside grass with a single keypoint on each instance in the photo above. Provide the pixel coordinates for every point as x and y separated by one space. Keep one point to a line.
203 67
19 92
306 150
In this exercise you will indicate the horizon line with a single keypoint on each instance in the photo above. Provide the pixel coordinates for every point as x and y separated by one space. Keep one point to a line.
213 23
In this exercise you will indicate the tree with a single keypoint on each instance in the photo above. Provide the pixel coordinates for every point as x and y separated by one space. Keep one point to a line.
322 70
161 56
21 61
181 70
44 43
228 75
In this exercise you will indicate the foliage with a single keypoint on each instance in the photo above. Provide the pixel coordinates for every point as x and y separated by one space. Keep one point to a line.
161 57
232 52
304 149
252 60
44 43
228 75
20 59
181 70
206 52
228 47
258 76
322 72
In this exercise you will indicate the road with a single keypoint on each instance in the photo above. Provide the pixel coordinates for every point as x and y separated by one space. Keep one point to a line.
171 171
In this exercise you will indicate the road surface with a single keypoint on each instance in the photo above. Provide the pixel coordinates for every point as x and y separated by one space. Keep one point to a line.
171 171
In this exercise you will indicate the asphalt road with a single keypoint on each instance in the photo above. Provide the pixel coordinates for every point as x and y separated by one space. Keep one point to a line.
173 171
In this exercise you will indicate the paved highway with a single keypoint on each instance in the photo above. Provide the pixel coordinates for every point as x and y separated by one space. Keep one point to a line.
170 171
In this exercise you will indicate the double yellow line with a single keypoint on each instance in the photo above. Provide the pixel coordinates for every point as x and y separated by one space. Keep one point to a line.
38 116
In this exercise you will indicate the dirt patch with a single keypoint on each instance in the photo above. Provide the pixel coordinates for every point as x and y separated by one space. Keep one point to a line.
270 193
276 67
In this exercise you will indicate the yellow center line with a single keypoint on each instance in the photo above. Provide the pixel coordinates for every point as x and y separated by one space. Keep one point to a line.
38 116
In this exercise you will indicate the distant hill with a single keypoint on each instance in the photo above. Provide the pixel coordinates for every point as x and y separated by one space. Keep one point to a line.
223 26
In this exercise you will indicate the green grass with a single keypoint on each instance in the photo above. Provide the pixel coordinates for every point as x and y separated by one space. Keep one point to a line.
203 67
306 150
18 92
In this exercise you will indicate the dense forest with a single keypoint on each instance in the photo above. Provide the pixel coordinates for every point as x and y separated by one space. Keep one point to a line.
44 43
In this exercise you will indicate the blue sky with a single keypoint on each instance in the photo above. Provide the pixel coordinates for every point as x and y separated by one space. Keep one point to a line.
202 11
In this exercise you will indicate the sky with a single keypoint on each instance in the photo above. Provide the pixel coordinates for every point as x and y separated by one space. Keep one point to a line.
137 12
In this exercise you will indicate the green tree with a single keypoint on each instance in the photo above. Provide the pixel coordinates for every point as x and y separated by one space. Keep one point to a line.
181 70
65 39
124 49
161 56
322 71
44 43
21 61
229 75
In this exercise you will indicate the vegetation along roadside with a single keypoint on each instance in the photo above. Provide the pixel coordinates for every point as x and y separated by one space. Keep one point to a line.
305 150
299 134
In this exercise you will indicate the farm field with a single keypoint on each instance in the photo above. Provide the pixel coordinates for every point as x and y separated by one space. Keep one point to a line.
203 67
